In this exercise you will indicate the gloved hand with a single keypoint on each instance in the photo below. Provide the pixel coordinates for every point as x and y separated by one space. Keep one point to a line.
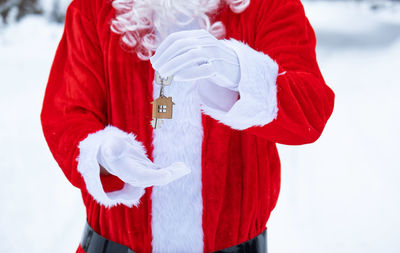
129 162
196 54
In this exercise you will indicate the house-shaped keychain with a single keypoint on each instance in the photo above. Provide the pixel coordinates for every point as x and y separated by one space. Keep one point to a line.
162 108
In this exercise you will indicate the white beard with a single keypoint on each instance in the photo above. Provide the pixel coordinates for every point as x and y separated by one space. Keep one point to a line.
143 24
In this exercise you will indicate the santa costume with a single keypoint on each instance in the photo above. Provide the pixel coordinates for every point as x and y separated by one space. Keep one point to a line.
245 77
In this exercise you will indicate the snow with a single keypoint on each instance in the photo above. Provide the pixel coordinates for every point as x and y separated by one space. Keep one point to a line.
41 212
340 194
49 5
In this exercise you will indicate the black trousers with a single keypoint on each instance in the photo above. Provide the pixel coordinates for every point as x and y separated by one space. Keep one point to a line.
92 242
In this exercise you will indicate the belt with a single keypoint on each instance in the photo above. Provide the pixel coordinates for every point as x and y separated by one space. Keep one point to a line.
92 242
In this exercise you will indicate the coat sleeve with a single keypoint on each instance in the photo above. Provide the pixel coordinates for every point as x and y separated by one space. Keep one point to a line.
304 101
74 105
283 96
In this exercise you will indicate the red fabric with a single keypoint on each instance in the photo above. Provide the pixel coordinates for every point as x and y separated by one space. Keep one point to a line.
80 250
95 82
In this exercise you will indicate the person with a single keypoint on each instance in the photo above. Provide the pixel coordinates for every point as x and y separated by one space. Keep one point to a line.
241 76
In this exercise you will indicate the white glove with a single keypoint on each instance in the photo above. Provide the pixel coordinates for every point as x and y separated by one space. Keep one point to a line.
128 162
196 54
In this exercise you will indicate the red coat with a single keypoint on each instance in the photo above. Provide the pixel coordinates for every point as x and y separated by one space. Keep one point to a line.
95 82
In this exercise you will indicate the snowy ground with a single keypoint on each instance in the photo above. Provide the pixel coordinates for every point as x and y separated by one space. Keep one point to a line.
340 194
39 207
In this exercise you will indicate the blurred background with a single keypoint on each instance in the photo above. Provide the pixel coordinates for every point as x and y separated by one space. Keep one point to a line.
340 194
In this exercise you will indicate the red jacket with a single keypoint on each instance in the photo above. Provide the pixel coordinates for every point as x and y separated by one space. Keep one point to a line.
96 82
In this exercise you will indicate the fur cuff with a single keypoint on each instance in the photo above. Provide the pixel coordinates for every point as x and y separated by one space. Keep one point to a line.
89 167
257 105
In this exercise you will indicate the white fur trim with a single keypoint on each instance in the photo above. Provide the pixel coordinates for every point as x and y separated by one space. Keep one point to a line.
89 167
257 105
177 208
